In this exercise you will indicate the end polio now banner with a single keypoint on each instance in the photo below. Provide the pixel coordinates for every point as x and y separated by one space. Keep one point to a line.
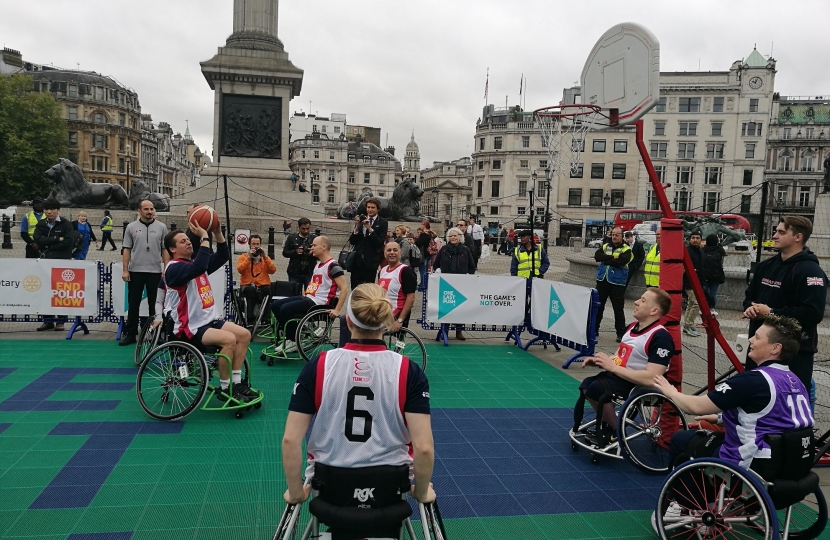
48 286
560 309
468 299
120 296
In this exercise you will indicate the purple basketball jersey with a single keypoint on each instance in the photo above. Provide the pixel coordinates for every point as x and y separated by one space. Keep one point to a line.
788 410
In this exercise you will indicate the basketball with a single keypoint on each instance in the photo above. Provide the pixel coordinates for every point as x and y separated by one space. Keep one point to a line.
205 217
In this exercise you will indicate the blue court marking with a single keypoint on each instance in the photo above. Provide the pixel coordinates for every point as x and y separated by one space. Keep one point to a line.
4 427
35 396
101 536
4 371
514 462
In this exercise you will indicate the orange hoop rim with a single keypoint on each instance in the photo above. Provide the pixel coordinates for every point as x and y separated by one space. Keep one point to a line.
561 111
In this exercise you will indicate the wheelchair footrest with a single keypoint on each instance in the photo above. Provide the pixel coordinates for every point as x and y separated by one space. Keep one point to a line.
230 403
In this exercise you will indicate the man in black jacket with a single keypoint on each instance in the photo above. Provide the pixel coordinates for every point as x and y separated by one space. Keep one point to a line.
692 307
55 238
297 250
791 284
368 238
638 255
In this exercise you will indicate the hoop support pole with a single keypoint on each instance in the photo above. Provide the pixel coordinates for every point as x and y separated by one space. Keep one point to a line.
710 323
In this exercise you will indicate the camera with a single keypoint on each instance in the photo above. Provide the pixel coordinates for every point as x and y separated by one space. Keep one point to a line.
363 217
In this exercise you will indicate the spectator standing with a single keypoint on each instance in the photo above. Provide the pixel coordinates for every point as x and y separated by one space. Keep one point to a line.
106 232
791 284
477 234
143 262
713 275
424 241
368 240
692 307
511 240
651 269
297 249
468 238
455 258
638 255
502 241
286 227
55 239
528 260
28 225
84 229
612 275
400 239
255 269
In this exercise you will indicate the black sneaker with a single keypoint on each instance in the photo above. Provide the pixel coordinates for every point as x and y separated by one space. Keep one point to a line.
245 387
238 394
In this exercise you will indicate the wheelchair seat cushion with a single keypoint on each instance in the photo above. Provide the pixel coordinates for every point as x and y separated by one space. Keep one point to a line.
361 522
785 493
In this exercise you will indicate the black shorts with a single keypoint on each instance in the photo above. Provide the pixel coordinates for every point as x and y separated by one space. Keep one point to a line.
196 340
593 387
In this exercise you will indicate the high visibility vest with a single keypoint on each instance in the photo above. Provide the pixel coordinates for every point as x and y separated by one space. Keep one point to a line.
651 268
525 261
107 226
33 219
617 275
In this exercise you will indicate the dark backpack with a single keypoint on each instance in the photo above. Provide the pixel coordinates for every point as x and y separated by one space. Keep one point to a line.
713 266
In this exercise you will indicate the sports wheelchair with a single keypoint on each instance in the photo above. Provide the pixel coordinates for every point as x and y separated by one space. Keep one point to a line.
646 420
174 376
778 497
369 502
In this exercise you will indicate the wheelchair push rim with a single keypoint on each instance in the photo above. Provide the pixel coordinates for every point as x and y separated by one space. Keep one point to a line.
646 423
147 340
406 343
315 334
171 381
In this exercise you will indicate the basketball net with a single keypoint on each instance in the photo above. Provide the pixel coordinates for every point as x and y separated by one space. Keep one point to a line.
564 128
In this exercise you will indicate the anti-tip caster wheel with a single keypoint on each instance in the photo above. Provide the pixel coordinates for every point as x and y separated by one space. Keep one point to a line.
270 361
262 357
594 459
574 446
238 415
258 405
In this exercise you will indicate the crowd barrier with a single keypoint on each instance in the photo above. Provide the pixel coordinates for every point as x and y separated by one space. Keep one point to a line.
83 292
555 313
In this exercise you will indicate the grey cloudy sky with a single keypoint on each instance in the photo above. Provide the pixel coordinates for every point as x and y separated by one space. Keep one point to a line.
419 64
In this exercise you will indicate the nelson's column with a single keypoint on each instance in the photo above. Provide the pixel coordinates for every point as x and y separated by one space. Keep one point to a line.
253 82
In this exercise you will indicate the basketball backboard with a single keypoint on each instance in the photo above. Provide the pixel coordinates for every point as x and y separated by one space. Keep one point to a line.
623 73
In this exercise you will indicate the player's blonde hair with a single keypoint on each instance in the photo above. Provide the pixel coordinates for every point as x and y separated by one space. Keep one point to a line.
372 309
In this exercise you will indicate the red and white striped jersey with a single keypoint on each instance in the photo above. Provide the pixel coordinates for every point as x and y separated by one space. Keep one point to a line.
322 288
193 303
391 281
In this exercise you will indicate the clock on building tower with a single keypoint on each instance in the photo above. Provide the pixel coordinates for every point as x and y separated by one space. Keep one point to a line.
756 82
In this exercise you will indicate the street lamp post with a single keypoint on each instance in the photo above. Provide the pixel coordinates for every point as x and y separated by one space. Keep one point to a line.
128 160
606 202
532 231
435 193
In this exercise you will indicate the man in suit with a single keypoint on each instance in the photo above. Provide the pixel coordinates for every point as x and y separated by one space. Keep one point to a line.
368 239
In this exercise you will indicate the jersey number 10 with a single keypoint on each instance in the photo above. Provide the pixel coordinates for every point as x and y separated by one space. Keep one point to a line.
800 411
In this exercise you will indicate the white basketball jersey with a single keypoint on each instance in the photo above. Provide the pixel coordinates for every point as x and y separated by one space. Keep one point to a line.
391 281
633 350
193 304
360 397
322 289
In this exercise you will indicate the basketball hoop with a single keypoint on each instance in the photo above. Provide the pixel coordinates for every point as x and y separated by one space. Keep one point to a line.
564 128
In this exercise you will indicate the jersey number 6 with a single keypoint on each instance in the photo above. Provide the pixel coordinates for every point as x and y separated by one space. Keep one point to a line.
352 413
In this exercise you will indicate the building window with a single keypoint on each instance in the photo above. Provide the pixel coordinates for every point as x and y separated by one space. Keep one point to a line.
330 196
597 170
496 164
351 177
689 104
73 157
522 188
497 143
366 178
73 113
543 164
711 201
523 163
540 188
315 195
469 184
713 175
575 197
598 145
121 144
331 155
525 141
350 193
783 195
618 171
316 154
617 197
578 171
750 151
652 203
494 188
661 105
100 164
595 197
809 133
73 138
717 104
494 210
480 189
100 93
337 129
746 204
807 162
714 151
382 178
620 146
753 105
331 176
804 196
302 153
577 145
122 119
661 173
367 159
717 129
121 165
685 175
521 210
481 143
659 128
784 162
99 118
787 133
73 90
686 150
659 149
747 181
481 165
751 129
681 200
688 128
99 141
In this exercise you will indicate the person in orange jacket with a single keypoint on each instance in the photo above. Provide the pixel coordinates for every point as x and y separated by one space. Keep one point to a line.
255 269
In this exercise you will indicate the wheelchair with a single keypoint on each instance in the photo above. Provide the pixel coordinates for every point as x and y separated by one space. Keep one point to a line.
174 377
148 338
712 498
368 502
316 332
646 421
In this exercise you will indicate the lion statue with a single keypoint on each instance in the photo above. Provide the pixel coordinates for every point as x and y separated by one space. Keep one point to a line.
712 225
72 189
403 205
140 191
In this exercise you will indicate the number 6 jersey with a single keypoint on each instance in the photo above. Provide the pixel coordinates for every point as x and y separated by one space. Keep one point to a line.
359 395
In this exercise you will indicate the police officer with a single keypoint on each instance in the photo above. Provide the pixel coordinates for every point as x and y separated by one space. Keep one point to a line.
528 260
651 269
27 228
106 231
612 275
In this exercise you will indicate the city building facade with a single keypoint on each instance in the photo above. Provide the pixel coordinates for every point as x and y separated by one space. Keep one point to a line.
448 190
302 125
412 157
367 134
11 62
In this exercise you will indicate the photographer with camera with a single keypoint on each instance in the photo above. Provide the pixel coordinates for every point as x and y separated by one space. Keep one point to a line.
297 250
368 240
255 269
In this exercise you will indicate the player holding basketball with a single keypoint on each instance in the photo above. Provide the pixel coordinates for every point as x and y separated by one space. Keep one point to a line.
644 352
190 300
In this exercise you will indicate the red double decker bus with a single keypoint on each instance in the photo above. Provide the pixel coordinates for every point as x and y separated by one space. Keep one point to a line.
628 217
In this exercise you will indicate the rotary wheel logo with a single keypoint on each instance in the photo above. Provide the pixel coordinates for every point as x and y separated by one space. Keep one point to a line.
31 284
68 275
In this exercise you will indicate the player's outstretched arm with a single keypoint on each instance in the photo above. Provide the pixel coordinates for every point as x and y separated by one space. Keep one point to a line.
423 448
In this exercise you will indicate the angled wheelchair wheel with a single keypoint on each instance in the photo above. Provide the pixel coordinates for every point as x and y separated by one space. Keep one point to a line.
147 340
257 324
431 522
808 518
172 380
647 421
317 332
712 498
405 342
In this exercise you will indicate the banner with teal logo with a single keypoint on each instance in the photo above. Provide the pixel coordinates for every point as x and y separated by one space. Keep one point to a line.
469 299
560 309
